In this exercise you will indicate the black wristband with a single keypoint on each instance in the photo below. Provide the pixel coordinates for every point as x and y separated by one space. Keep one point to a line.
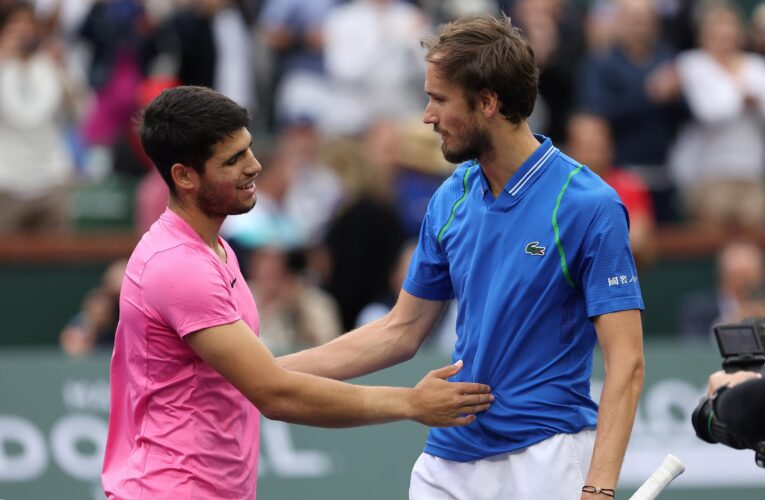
609 492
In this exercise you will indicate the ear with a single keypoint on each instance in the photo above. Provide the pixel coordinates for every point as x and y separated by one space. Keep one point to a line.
184 177
489 103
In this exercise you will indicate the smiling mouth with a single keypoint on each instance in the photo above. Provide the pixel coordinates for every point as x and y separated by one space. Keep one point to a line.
249 185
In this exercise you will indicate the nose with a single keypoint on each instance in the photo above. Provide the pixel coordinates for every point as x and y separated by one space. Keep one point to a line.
253 166
428 117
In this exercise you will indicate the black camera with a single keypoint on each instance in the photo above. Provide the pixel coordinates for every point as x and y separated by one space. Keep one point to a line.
741 346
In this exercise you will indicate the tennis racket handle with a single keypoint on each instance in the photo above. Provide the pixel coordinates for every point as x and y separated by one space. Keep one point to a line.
669 469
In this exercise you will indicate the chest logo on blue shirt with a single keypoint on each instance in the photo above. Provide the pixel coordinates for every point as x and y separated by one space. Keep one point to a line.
533 248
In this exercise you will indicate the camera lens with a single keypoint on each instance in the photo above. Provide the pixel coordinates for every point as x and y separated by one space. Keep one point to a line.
702 418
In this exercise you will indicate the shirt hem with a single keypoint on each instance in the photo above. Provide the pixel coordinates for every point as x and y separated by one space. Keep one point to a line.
615 305
426 292
449 454
208 323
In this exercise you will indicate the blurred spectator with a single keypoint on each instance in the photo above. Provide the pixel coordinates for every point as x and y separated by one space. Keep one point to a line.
555 31
297 194
64 15
633 85
675 16
443 11
589 141
35 169
385 302
677 20
293 30
419 169
719 157
269 223
63 19
443 336
738 293
600 26
151 197
95 324
234 74
152 194
294 315
364 238
314 191
209 43
114 31
373 58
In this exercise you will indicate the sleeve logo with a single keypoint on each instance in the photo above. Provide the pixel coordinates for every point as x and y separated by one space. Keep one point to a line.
621 280
533 248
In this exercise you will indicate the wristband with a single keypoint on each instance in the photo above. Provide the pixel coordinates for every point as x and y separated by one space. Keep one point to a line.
609 492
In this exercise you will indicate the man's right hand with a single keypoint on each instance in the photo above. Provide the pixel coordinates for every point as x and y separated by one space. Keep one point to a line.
439 403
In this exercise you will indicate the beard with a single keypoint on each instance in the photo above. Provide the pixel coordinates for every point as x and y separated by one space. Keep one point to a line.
473 145
214 203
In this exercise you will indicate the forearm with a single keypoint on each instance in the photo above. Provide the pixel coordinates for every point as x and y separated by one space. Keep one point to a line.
382 343
372 347
309 400
242 359
618 405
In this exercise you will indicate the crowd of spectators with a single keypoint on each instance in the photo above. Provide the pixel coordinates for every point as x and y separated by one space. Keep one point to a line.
663 98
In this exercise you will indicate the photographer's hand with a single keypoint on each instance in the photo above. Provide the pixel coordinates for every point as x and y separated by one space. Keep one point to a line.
720 378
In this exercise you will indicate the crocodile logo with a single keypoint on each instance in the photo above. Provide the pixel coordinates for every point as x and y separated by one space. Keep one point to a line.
533 248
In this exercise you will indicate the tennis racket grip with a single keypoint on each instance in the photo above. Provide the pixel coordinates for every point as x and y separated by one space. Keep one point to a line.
669 469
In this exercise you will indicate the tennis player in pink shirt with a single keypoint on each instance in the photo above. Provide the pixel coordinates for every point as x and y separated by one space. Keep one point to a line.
189 376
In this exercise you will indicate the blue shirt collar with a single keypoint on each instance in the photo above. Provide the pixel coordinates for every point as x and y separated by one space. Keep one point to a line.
528 170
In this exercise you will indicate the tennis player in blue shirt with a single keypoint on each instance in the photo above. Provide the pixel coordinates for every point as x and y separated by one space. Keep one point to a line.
535 249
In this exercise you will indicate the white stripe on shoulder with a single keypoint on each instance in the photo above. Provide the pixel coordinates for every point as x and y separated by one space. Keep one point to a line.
533 170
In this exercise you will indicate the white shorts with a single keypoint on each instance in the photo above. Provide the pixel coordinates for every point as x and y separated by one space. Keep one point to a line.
553 469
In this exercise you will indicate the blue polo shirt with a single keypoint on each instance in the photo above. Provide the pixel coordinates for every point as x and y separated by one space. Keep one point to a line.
529 270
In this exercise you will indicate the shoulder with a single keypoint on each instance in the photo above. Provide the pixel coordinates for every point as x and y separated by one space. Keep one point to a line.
581 189
453 190
463 176
574 176
180 261
183 278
